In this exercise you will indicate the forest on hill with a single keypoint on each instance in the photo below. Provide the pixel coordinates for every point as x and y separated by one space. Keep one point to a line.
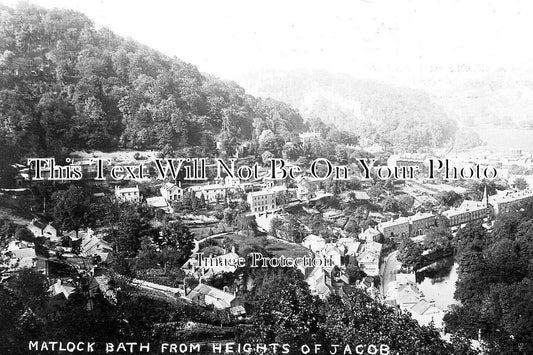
495 285
65 85
401 118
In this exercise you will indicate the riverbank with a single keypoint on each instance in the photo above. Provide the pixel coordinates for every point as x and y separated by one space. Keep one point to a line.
438 282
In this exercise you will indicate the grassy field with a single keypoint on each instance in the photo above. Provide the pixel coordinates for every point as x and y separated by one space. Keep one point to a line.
275 246
117 157
205 230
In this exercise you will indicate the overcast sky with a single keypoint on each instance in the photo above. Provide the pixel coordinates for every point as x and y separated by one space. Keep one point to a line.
396 40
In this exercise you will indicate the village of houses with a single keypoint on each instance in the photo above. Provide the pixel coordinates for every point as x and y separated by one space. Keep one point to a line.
371 249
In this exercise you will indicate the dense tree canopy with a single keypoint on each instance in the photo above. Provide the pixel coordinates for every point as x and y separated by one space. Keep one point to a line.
288 313
399 118
66 85
495 283
72 208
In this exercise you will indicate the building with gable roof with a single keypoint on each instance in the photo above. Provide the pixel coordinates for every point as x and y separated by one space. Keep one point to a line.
314 242
369 258
405 294
171 192
262 201
61 287
213 193
92 245
205 295
306 187
504 201
425 313
468 211
333 253
318 283
395 229
46 230
420 223
369 235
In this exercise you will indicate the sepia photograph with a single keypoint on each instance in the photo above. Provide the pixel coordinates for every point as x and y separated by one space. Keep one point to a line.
266 177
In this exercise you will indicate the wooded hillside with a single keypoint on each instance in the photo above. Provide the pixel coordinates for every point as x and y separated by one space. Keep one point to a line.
66 85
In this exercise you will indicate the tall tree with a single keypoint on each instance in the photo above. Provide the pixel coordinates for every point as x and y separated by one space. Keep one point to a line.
72 208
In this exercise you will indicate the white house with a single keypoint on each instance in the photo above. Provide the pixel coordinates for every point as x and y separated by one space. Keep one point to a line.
47 230
314 242
171 192
131 194
369 235
425 312
318 283
405 294
349 245
333 253
306 187
369 259
92 245
207 295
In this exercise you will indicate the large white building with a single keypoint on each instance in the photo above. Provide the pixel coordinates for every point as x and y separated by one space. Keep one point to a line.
395 229
420 223
262 201
503 201
468 211
414 225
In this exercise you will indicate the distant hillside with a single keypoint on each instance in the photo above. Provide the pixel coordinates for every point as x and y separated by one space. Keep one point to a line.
502 98
65 85
405 119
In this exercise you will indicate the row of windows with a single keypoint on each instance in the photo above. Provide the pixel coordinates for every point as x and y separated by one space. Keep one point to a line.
263 202
262 197
466 217
262 208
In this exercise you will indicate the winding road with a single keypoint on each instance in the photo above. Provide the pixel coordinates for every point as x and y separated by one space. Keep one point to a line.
389 270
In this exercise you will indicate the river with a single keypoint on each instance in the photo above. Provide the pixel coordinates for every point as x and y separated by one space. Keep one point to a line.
437 282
